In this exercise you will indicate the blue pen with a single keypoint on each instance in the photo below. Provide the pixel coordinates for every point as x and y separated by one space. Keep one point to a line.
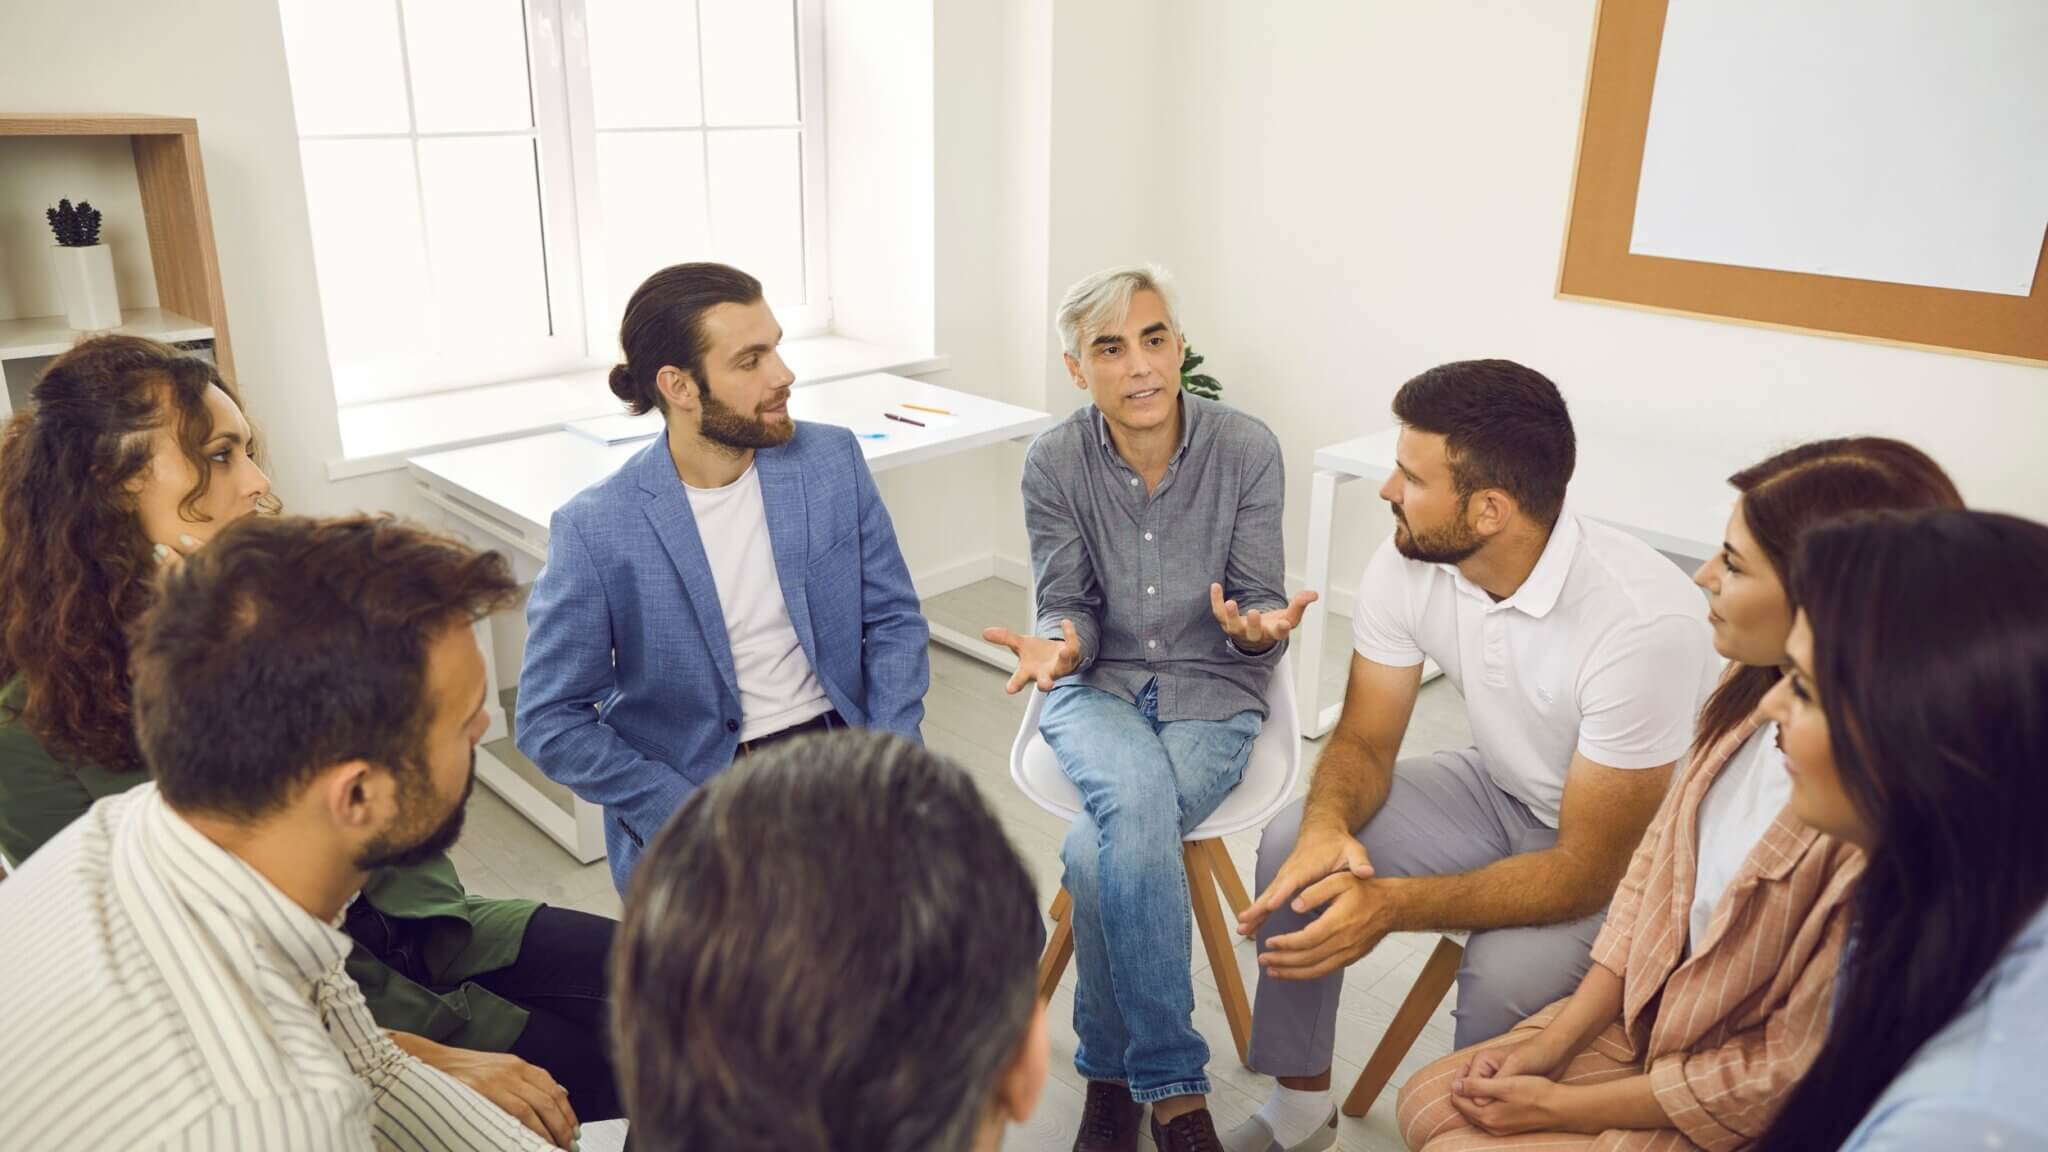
874 435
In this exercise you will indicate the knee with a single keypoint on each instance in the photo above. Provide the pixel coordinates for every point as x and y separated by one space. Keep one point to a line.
1276 842
1510 975
1081 855
1423 1109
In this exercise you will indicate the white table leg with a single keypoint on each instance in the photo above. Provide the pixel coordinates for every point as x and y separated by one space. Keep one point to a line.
1322 518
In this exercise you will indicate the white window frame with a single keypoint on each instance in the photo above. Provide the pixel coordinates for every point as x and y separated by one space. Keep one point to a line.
584 335
814 316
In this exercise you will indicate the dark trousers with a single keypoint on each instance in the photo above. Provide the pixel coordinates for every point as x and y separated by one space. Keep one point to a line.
560 979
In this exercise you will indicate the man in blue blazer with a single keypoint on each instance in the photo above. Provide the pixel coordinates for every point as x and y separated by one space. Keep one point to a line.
736 583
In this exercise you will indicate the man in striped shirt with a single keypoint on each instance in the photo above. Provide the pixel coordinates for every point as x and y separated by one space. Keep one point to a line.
308 696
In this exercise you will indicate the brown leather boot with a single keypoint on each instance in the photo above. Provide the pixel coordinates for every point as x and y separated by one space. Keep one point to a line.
1188 1132
1109 1120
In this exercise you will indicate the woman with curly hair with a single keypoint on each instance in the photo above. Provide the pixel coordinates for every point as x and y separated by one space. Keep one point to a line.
129 456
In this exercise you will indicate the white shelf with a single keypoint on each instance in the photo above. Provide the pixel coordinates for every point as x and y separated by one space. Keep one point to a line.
49 335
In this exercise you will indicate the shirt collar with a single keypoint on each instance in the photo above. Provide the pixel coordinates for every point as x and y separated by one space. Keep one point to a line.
1545 582
1190 409
1538 594
217 882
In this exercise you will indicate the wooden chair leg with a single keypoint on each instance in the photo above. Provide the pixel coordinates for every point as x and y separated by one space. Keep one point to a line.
1428 991
1059 946
1216 939
1226 876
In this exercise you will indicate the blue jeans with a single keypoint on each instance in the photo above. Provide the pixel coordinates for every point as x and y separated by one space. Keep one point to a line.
1144 784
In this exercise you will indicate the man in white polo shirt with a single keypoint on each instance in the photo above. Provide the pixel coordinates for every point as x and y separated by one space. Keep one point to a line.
1583 656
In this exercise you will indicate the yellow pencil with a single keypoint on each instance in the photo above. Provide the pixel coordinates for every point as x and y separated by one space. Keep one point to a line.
922 408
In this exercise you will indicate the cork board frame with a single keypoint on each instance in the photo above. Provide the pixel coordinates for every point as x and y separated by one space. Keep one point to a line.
1597 266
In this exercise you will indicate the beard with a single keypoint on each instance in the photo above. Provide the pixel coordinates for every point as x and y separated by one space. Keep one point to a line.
723 425
1447 545
396 850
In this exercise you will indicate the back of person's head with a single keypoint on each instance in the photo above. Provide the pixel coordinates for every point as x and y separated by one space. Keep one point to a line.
76 568
1504 426
1797 489
290 645
1930 663
664 327
830 948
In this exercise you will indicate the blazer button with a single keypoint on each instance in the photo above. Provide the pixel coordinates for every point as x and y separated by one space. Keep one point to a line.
732 725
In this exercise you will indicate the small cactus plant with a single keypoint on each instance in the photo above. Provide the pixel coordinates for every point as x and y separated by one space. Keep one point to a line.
75 227
1207 387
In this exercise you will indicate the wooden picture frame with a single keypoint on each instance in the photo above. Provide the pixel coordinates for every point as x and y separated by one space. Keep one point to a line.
1597 266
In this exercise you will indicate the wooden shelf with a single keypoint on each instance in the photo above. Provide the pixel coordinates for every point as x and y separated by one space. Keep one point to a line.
49 335
180 227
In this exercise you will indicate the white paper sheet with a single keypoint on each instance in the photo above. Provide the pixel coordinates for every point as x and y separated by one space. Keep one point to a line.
1896 140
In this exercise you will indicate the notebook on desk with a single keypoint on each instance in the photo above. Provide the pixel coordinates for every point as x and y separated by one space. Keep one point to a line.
618 429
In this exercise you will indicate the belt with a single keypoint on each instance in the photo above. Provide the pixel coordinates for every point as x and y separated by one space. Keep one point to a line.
824 723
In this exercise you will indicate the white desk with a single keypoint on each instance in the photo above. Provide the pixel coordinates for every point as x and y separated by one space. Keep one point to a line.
1675 499
503 495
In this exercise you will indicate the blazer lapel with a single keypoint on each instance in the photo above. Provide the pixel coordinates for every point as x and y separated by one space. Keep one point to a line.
675 525
782 496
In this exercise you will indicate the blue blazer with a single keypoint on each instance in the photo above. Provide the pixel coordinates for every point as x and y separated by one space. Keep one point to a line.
628 695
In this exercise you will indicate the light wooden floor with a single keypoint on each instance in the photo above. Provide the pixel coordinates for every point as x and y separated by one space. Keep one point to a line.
968 718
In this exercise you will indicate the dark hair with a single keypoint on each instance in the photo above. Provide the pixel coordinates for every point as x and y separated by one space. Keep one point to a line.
289 645
664 327
1930 656
1504 426
75 567
1791 492
831 947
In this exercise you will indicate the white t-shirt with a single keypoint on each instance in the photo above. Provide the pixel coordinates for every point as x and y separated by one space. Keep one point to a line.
778 687
1738 809
1603 650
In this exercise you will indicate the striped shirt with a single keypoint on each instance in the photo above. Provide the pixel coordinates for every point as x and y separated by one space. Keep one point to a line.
1727 1027
158 992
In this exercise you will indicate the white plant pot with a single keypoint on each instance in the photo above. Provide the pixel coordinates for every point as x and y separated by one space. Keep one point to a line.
85 278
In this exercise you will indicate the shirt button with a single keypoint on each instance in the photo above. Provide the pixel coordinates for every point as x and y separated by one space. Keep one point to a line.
1148 535
1134 481
1151 643
732 725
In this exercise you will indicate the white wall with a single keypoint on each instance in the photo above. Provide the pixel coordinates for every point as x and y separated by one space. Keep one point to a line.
1351 192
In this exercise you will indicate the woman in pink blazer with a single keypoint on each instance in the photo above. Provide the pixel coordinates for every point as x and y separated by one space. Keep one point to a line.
1710 987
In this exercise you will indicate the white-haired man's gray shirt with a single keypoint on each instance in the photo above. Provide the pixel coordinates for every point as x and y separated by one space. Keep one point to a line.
1132 570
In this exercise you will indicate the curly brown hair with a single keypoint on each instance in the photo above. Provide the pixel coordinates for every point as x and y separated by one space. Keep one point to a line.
76 569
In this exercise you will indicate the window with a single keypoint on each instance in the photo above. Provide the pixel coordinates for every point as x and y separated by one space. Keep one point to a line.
488 180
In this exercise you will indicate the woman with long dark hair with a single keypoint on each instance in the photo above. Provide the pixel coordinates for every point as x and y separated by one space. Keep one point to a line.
1915 725
1709 989
129 456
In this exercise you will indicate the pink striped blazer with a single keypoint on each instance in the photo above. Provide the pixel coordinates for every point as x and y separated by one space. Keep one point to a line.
1727 1031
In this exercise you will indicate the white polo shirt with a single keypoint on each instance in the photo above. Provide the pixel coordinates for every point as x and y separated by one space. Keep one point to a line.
1604 650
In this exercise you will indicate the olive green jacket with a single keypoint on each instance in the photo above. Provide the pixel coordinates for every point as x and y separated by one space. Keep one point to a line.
458 936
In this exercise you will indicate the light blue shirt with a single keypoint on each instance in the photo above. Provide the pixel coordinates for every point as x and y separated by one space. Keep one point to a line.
1978 1084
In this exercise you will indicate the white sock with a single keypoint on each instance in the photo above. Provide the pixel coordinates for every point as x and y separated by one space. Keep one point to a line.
1295 1116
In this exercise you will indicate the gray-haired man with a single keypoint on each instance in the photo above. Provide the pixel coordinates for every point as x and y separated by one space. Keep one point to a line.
1154 518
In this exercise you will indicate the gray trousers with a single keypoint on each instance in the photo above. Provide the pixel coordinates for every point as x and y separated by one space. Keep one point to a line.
1444 815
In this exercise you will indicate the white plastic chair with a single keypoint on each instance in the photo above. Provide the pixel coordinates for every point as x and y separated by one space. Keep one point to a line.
1267 784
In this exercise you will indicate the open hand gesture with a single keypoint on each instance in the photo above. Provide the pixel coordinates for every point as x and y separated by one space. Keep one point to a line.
1039 660
1257 631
